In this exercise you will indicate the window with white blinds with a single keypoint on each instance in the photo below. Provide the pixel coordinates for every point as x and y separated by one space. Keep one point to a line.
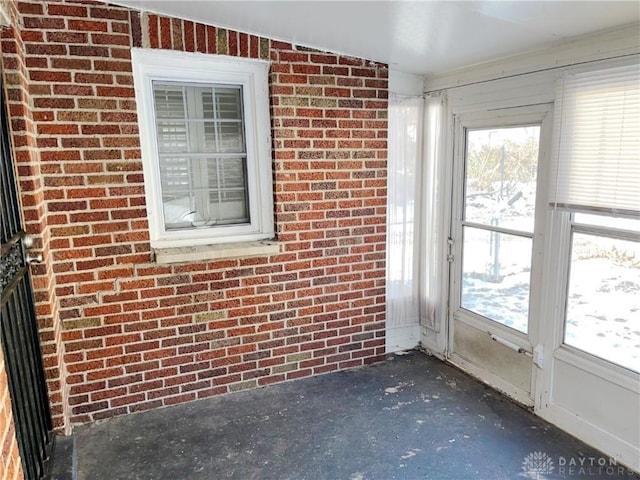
202 154
596 145
205 136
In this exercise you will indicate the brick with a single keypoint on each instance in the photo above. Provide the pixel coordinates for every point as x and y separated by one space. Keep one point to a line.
67 10
67 37
109 39
93 78
44 23
201 38
88 25
54 103
88 51
103 91
323 58
111 13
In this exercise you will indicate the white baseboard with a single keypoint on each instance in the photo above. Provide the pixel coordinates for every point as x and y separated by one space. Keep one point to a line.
622 452
402 338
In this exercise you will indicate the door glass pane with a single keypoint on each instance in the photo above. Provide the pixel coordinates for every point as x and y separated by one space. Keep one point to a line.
500 177
496 276
603 305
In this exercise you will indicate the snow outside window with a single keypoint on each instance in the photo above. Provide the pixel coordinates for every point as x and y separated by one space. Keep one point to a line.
205 134
603 299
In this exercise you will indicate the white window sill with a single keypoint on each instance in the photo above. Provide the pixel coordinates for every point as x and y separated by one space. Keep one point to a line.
216 252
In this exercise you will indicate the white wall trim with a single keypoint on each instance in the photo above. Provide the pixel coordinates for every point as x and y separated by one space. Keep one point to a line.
619 450
518 394
614 43
406 337
403 83
5 19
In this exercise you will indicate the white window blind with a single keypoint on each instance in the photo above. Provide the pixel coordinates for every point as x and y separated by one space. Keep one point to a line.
202 154
596 145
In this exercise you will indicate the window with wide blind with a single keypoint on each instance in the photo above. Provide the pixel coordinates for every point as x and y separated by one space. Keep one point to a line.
596 179
205 141
596 145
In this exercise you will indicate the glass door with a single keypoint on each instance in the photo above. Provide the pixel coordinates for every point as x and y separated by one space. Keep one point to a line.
494 239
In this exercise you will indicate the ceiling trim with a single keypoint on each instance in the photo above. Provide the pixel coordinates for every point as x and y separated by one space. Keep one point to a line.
617 42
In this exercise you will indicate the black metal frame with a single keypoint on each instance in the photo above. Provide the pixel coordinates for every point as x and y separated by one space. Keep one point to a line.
18 327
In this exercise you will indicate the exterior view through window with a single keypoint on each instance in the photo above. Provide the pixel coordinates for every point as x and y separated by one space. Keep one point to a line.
603 301
499 212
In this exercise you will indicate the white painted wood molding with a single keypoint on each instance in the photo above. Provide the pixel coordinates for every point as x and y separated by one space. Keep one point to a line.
5 20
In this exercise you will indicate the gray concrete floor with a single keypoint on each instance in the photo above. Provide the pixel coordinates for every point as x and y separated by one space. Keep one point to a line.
410 417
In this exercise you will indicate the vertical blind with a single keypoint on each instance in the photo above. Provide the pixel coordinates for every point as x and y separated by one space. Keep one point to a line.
596 144
202 154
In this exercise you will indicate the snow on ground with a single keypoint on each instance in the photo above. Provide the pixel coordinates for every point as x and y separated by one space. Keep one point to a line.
603 308
497 286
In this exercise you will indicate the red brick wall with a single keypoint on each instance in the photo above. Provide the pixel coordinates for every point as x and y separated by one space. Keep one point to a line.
10 465
138 335
19 94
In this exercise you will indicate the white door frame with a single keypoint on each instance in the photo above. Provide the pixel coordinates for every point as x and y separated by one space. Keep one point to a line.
480 327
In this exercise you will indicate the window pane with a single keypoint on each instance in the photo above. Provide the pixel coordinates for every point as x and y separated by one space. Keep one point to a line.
169 101
223 137
177 191
172 137
228 103
217 120
197 127
495 276
631 224
204 192
228 198
175 174
500 177
603 306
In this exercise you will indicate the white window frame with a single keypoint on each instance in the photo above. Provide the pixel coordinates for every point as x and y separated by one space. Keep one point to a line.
189 68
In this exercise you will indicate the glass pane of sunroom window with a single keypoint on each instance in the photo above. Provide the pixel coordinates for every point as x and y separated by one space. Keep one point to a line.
603 305
500 177
496 271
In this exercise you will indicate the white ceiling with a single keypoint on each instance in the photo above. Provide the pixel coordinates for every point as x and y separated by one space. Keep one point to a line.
422 37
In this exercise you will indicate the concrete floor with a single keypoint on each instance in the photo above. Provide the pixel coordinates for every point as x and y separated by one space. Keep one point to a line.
410 417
